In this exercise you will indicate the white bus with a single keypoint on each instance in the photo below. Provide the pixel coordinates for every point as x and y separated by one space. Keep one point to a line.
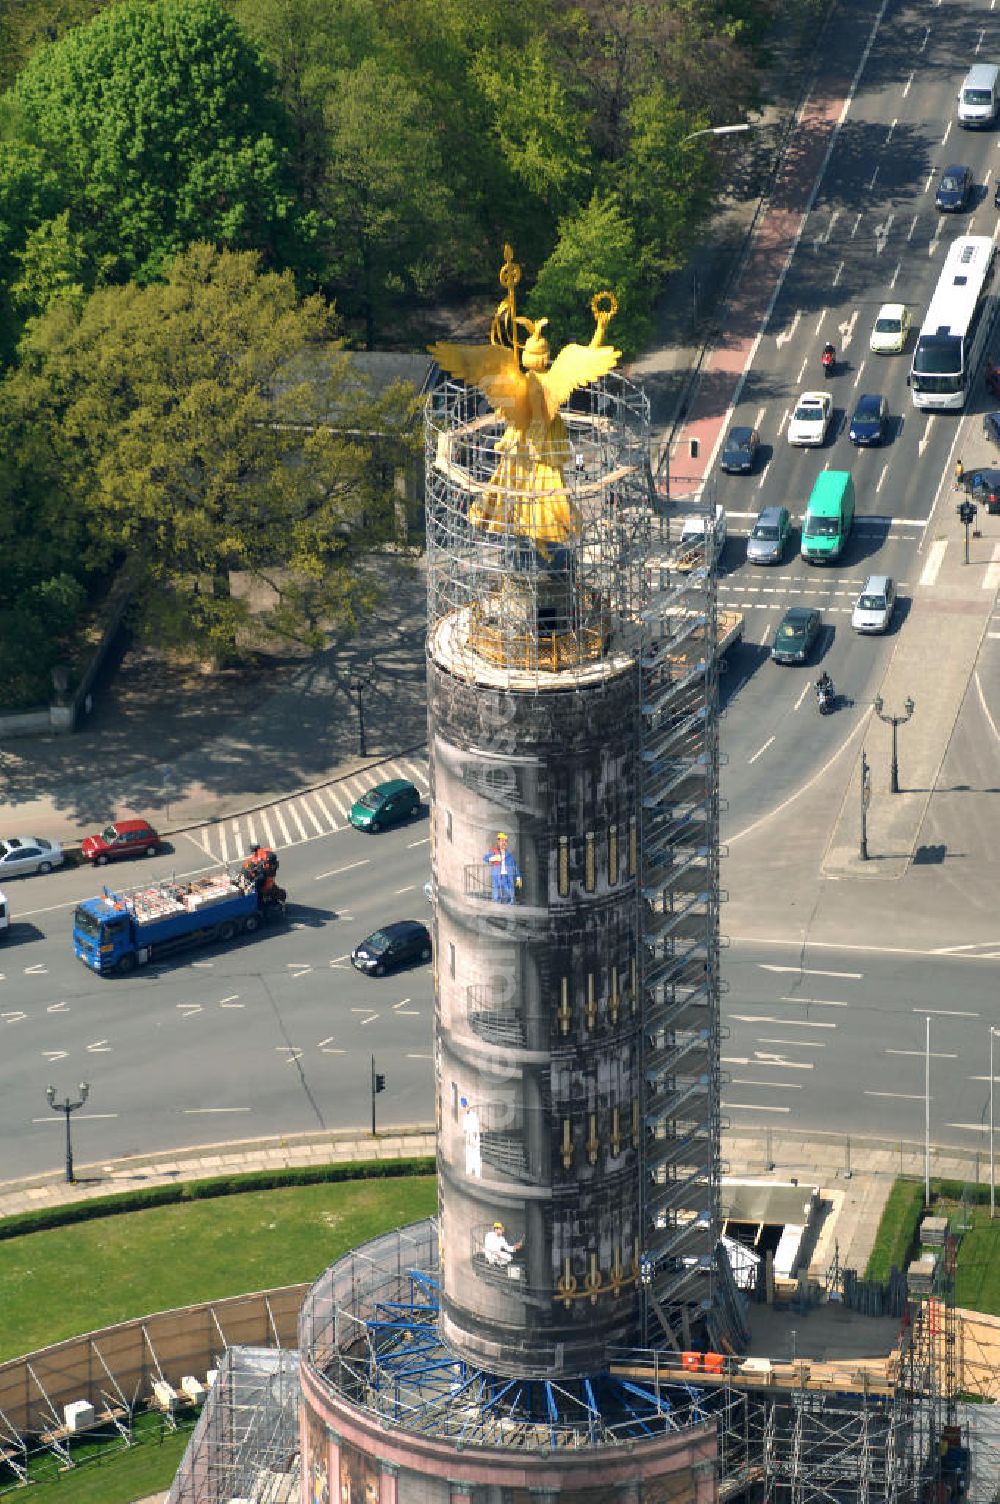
954 332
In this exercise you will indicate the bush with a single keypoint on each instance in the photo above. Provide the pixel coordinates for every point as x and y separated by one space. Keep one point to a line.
196 1190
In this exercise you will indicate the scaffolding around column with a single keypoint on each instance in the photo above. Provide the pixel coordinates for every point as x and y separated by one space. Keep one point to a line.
687 1291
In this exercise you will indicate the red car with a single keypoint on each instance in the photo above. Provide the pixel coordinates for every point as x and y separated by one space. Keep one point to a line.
121 838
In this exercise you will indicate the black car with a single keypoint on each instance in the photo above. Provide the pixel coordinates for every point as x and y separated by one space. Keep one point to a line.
392 946
984 489
739 454
868 423
954 189
991 428
797 631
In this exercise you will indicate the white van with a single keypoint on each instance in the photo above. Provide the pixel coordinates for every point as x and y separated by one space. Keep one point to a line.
979 96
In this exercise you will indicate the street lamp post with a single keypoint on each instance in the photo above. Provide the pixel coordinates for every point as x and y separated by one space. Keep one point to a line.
993 1182
866 794
894 721
360 681
68 1106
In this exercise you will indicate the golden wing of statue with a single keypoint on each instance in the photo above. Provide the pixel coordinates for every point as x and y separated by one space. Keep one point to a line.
493 368
574 366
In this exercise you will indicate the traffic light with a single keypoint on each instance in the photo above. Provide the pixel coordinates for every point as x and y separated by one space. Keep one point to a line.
966 512
379 1081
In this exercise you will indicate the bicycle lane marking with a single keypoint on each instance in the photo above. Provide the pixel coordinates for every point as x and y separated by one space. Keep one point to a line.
746 315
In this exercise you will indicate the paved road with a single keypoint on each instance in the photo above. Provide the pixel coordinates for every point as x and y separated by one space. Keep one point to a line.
276 1034
834 1040
272 1035
871 235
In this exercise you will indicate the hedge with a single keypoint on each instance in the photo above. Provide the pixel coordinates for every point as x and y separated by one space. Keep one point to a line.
64 1215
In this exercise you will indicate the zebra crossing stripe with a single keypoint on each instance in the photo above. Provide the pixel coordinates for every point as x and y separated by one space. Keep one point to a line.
293 812
224 851
306 809
328 814
237 841
267 828
338 803
281 821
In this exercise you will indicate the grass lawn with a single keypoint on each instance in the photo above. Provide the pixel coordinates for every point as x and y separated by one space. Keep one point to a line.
117 1475
977 1278
193 1251
897 1230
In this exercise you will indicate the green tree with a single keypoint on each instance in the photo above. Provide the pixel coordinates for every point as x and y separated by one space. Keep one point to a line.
160 120
597 249
185 425
52 265
385 205
29 196
542 136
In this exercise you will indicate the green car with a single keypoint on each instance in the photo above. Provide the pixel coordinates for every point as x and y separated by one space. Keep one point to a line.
384 805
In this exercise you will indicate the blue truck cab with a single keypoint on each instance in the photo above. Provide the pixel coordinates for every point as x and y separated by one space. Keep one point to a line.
116 932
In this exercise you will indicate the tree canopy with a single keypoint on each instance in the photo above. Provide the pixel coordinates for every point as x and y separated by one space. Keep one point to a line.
160 122
193 428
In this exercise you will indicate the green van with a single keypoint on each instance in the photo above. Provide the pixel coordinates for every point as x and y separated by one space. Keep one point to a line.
826 526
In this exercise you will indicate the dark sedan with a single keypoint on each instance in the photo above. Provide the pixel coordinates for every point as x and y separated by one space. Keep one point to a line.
739 454
984 489
394 945
991 428
868 423
954 190
797 631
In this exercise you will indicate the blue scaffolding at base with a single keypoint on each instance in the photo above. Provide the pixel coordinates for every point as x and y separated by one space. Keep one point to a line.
373 1333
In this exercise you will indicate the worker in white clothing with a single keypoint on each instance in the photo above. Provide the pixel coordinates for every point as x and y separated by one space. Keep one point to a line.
497 1250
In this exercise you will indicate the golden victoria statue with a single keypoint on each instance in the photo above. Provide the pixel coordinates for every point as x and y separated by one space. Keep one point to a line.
527 495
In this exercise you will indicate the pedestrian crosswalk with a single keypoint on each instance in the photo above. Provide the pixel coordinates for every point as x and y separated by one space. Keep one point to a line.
305 816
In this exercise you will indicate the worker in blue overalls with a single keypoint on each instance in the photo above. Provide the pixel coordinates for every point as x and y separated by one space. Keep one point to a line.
504 871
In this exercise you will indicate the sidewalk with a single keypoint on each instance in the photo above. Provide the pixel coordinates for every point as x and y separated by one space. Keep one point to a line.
855 1174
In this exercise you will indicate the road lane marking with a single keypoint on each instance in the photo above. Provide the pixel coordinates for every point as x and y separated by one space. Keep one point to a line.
947 1012
420 1057
922 1054
799 1044
191 1112
771 1085
760 752
188 1008
838 273
424 841
806 971
57 1008
805 690
935 558
815 1002
986 712
99 1047
906 86
52 1056
900 1096
294 814
401 1004
290 1051
991 577
766 1018
410 889
336 871
786 334
752 1107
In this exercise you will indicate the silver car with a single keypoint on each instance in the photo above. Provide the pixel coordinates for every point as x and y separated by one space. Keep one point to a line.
769 536
874 606
21 855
